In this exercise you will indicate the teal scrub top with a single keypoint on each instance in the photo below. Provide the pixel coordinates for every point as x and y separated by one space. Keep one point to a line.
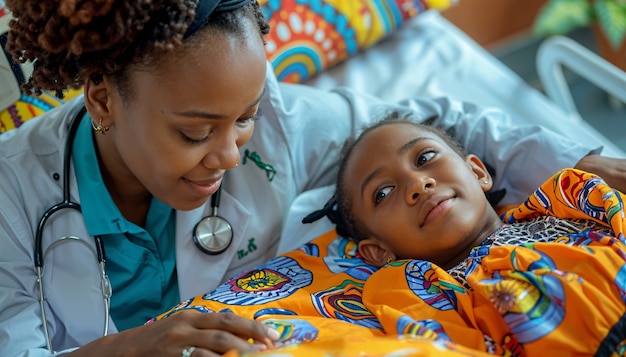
140 261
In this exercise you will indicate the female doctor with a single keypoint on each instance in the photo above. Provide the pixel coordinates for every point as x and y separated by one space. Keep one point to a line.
108 193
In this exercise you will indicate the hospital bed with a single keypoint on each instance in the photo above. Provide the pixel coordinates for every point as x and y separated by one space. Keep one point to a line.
429 56
319 283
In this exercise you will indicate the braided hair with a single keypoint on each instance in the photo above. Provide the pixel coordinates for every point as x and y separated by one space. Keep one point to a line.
71 41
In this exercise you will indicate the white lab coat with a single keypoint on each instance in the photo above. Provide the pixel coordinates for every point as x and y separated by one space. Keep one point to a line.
299 133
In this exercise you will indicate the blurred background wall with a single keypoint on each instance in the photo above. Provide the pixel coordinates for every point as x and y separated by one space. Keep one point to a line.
492 23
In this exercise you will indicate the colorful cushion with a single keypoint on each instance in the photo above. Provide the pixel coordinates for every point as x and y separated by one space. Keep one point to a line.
308 36
27 107
13 114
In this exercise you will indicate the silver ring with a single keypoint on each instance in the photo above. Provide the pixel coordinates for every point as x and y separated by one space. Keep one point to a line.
188 351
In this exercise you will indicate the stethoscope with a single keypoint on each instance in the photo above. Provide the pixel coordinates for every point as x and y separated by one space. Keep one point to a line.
40 255
212 235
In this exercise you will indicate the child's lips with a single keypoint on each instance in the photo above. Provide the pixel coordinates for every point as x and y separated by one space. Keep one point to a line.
434 207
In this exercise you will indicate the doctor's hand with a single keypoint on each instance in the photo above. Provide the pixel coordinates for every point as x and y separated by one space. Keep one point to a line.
611 170
204 334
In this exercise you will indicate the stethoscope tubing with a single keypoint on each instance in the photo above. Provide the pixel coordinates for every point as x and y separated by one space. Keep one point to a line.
66 203
39 254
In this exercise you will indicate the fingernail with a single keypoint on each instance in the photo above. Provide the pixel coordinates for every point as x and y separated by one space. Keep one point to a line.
259 347
273 334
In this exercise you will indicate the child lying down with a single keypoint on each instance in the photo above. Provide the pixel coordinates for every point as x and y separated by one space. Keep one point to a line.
429 268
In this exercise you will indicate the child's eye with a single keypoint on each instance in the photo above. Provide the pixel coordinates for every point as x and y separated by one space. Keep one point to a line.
380 195
424 157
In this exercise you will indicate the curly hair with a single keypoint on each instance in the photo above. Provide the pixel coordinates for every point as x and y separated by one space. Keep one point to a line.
346 224
70 41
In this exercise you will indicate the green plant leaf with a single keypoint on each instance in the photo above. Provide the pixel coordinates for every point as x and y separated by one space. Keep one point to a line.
558 17
611 17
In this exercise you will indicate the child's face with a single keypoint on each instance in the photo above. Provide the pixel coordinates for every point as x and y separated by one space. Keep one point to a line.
417 196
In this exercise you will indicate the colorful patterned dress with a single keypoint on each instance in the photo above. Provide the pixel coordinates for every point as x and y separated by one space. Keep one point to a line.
551 281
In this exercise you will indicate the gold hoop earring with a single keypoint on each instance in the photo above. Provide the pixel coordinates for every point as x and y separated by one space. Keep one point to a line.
389 260
98 128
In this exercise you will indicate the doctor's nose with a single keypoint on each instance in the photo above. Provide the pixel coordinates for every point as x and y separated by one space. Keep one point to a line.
417 185
224 154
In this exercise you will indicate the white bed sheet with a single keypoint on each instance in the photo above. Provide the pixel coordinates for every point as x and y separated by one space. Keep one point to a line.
431 57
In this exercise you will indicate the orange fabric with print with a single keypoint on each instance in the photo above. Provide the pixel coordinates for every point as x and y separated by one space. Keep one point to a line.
534 299
313 297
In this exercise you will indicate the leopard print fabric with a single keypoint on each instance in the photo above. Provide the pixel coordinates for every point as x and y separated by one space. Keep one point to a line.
542 229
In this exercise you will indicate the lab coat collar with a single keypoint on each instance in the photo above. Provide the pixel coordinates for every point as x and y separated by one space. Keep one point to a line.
194 278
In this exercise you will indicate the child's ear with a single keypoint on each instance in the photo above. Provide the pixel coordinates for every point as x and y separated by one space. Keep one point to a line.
480 171
375 252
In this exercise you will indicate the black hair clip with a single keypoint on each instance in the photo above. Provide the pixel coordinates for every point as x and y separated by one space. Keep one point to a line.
329 210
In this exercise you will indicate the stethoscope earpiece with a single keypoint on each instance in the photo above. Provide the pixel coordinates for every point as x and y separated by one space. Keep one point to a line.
213 234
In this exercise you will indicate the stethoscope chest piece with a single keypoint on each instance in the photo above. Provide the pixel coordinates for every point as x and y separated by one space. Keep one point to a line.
213 234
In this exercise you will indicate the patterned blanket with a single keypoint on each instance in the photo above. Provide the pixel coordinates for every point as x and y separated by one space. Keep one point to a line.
536 299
